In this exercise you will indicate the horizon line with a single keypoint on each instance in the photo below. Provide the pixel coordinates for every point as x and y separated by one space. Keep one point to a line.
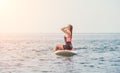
59 33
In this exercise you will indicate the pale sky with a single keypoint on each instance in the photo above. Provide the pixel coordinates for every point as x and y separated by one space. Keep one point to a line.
48 16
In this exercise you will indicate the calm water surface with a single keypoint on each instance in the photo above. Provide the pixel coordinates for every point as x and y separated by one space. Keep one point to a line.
33 53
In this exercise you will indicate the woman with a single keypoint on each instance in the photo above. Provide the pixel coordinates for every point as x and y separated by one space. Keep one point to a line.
68 38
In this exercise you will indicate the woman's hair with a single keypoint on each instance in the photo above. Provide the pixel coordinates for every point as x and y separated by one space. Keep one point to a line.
71 28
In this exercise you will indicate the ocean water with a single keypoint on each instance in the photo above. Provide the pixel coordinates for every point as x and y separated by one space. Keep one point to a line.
33 53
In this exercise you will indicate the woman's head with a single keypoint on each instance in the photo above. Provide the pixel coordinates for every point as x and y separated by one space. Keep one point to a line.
70 27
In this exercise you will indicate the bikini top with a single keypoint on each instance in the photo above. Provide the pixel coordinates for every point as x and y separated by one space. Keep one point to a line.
68 39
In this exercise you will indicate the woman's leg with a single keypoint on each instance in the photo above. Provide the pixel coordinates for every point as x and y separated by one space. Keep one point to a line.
58 47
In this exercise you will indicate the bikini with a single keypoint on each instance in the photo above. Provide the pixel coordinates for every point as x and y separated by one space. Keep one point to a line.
68 44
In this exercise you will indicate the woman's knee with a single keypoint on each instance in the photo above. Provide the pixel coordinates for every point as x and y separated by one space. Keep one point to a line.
59 46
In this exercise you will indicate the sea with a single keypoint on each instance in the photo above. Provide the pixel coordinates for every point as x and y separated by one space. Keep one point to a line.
33 53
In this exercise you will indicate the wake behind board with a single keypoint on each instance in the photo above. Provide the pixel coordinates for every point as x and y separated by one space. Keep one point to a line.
66 53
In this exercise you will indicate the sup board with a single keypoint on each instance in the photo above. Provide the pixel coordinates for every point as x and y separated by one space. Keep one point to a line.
66 53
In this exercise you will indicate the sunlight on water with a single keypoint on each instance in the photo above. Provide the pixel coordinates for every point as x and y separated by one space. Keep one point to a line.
33 53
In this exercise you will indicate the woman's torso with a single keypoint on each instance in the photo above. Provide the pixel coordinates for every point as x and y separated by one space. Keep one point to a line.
68 43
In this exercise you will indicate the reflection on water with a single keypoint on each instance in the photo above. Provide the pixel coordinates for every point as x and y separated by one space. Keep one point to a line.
98 53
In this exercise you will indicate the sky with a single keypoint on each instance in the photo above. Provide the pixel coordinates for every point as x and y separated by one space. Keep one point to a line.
49 16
